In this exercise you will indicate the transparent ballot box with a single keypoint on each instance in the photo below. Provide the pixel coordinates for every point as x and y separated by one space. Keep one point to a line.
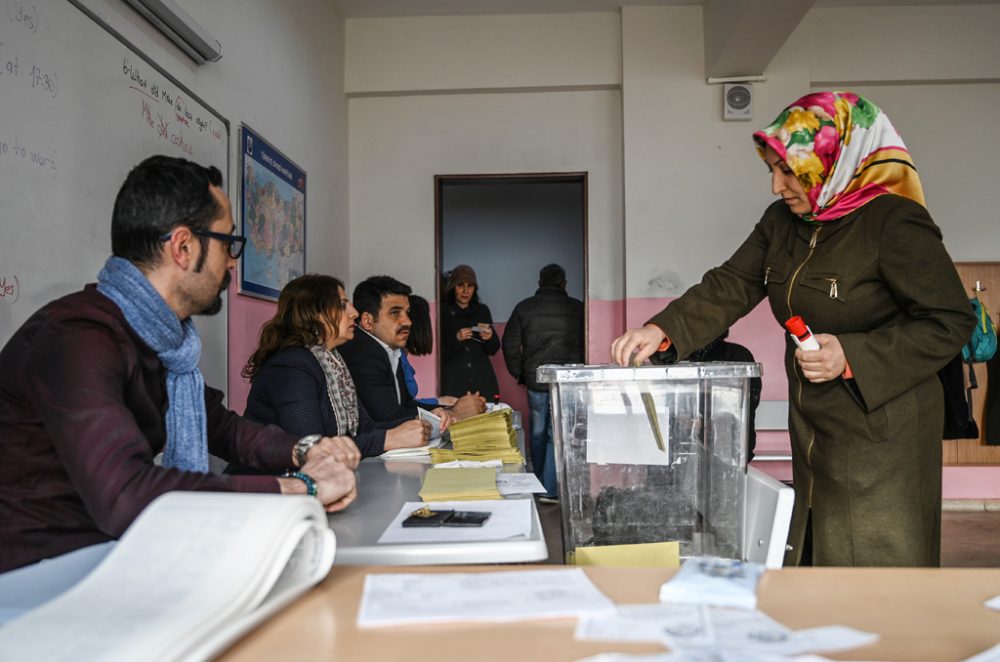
652 454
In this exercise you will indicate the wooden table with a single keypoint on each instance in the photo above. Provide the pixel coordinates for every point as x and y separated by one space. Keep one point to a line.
921 614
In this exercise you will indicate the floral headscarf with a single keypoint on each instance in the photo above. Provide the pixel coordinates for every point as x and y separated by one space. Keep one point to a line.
844 152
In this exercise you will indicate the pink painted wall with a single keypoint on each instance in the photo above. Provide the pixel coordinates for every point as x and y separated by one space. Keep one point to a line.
246 316
606 320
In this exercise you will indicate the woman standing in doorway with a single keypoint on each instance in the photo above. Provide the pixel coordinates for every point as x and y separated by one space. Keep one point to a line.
468 339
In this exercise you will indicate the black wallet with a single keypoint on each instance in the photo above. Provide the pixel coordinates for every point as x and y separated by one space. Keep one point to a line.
427 517
467 518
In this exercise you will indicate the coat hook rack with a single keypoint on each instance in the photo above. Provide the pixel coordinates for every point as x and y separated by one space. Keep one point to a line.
979 287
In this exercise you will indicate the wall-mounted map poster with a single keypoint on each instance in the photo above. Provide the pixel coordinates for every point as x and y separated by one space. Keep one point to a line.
273 213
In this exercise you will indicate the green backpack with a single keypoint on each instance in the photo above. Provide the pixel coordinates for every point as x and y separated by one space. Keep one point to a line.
983 344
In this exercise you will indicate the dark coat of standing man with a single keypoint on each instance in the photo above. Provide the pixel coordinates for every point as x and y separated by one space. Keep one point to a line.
544 328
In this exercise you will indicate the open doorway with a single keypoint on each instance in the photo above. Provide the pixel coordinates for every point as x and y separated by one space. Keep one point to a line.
507 227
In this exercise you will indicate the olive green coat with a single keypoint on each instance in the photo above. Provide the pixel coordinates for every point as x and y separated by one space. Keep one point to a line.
866 453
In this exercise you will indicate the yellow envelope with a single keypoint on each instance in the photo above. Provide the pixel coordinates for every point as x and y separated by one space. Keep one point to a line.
645 555
460 484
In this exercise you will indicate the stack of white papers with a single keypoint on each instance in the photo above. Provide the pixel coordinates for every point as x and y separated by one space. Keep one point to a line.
418 452
705 580
189 576
405 599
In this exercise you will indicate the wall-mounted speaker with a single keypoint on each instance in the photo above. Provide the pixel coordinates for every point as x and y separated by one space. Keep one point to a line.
737 101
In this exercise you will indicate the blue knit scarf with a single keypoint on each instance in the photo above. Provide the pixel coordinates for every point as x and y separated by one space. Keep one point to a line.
178 346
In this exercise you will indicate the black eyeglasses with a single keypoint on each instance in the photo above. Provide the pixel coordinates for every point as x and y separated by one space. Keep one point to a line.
235 243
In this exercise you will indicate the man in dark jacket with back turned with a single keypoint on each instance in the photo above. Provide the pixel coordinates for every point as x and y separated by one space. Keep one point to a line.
545 328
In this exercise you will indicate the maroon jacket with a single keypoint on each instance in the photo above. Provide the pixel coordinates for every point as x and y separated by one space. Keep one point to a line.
82 407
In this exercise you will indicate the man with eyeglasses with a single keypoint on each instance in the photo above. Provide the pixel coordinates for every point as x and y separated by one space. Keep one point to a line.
96 384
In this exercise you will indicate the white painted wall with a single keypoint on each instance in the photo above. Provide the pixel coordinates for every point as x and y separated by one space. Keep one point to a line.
398 144
942 42
479 52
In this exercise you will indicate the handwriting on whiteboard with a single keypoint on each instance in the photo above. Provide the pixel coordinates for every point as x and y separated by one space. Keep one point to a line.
10 289
21 14
18 152
165 112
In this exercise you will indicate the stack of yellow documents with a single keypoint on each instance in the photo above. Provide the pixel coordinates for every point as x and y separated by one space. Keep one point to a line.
460 484
488 436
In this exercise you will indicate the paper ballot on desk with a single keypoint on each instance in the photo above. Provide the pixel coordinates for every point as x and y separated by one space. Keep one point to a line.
704 580
404 599
193 572
459 484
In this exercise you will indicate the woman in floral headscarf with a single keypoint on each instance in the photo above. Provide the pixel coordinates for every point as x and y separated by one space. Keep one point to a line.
851 248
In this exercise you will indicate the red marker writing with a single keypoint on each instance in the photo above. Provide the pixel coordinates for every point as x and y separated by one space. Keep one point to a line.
801 334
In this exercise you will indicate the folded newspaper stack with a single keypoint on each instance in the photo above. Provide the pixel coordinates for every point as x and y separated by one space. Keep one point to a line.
193 573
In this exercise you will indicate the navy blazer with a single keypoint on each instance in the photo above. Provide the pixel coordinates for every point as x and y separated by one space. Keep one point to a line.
369 365
290 391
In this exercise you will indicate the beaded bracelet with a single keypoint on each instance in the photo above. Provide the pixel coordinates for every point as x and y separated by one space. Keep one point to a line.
305 478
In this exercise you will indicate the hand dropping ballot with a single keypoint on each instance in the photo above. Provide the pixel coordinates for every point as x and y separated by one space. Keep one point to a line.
704 580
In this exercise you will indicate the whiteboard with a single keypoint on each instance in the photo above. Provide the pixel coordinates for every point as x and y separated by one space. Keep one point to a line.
79 107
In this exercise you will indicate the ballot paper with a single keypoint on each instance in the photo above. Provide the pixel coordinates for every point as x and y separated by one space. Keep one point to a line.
461 484
710 654
487 436
508 519
714 581
433 419
989 655
418 452
646 623
519 483
693 628
404 599
469 464
509 484
736 629
993 603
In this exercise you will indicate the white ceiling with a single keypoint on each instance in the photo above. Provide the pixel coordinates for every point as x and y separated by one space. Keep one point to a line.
381 8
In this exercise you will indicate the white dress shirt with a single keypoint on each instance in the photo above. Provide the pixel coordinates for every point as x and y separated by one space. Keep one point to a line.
393 361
